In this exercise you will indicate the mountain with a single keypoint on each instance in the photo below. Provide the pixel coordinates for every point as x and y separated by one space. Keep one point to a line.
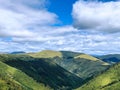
46 54
109 80
83 65
14 79
18 52
110 58
42 71
6 81
48 70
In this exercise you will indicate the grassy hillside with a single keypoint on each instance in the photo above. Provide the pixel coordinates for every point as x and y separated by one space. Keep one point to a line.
84 68
110 58
46 54
83 65
6 84
43 71
109 80
14 79
6 81
84 56
53 54
62 70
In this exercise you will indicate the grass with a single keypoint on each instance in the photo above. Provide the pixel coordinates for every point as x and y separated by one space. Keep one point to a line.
88 57
12 78
46 54
48 73
39 73
109 80
48 69
83 65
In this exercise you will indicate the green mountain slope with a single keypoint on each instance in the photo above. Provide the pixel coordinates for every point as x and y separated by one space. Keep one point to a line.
46 54
109 80
43 71
14 79
83 65
6 81
62 70
110 58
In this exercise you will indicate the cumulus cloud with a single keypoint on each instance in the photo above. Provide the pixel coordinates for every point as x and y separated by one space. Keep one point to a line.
21 17
97 16
26 25
91 44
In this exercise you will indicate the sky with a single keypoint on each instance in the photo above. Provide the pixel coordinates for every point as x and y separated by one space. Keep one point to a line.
89 26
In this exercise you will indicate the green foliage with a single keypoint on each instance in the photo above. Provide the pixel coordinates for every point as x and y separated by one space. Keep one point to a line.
83 65
50 69
14 79
41 71
6 84
47 72
6 79
109 80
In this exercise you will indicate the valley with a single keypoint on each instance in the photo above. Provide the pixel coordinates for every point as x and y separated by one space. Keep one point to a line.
56 70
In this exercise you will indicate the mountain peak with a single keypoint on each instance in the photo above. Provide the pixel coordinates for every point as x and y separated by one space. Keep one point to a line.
46 54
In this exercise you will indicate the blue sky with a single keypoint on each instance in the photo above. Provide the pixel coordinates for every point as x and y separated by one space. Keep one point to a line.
63 9
91 27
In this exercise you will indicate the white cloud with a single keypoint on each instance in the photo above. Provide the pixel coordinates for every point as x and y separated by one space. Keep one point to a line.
98 16
47 33
20 18
71 40
26 25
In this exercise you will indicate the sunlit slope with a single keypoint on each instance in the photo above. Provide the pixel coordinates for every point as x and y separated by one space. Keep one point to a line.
109 80
63 54
85 56
83 65
6 80
46 54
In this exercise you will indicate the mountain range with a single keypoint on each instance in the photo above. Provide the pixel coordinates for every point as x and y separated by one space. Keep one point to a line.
58 70
110 58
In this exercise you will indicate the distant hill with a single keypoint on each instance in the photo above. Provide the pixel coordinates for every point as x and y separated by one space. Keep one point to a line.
46 54
83 65
109 80
110 58
52 54
18 52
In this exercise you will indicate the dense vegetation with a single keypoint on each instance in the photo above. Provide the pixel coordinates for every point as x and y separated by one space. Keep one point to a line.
83 65
43 71
14 79
109 80
6 81
53 70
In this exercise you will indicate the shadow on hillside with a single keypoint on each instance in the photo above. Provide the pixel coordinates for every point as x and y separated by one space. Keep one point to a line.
47 72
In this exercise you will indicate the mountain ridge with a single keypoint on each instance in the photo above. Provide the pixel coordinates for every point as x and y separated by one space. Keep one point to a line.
56 70
68 61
